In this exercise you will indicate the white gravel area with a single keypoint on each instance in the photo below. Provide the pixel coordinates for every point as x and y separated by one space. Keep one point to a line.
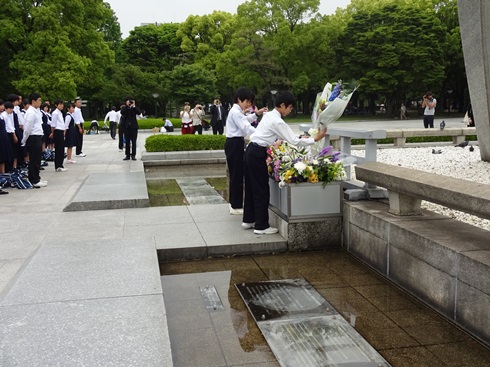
452 161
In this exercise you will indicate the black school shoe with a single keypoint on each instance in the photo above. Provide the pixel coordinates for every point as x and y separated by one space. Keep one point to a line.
133 158
126 158
3 192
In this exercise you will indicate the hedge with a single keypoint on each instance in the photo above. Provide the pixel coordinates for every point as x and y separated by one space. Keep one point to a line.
172 143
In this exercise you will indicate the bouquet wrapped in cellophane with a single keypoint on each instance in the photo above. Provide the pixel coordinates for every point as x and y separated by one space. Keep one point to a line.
330 104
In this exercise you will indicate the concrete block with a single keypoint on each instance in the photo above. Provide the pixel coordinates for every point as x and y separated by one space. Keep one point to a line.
431 285
475 269
458 139
401 204
400 142
323 234
473 311
369 248
438 242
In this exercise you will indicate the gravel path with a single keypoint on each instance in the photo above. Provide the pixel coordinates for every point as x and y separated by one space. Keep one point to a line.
452 161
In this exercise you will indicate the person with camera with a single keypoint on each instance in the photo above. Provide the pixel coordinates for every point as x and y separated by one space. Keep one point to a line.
130 127
218 117
429 104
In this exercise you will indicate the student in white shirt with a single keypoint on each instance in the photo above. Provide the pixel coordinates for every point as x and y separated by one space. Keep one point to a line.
113 118
271 128
77 115
238 126
33 139
58 135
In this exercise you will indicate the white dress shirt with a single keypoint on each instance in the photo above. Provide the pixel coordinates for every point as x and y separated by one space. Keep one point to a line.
239 125
9 122
20 115
33 123
111 116
273 127
57 120
77 115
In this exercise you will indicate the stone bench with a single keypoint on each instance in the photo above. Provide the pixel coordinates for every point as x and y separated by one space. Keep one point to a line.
408 187
400 135
442 261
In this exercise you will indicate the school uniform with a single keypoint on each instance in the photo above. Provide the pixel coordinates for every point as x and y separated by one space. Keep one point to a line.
238 126
257 194
33 137
77 115
6 154
58 124
71 133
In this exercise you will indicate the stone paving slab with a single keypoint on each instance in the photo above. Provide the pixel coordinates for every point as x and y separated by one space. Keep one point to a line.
85 270
115 190
121 331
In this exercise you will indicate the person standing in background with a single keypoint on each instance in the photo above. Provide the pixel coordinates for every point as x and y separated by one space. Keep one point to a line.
218 116
186 118
77 115
403 110
113 118
129 112
33 139
120 124
58 135
429 104
197 113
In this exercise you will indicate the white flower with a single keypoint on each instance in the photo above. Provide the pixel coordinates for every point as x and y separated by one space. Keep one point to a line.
300 166
314 162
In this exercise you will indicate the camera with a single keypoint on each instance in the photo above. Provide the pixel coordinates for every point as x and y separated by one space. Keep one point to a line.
131 101
425 96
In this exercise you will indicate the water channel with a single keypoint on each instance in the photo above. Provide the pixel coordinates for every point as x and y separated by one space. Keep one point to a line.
404 331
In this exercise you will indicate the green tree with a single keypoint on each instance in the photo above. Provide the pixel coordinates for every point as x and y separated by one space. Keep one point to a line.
55 46
153 48
393 50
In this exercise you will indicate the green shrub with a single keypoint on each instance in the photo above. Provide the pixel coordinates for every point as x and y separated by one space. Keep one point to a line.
172 143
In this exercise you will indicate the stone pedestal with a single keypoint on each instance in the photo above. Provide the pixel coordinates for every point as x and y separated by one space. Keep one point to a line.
474 21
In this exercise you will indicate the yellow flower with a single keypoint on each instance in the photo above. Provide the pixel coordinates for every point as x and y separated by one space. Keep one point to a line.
313 177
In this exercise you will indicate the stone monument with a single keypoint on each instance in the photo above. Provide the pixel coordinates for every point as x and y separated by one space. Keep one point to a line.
474 21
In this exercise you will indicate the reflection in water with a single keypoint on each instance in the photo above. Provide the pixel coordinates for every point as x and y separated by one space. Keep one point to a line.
401 329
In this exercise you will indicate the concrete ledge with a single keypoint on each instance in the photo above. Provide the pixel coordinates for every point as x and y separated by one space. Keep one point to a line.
467 196
184 156
441 261
110 191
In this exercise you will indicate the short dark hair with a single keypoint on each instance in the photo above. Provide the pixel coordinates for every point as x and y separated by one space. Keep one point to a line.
244 93
45 105
33 97
12 97
70 105
8 104
58 101
1 102
284 97
77 99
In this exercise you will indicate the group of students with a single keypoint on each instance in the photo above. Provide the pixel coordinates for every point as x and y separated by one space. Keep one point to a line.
30 127
248 165
192 119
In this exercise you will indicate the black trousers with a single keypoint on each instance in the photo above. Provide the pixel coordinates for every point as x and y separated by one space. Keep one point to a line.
59 148
198 129
234 150
79 136
131 135
428 121
34 148
121 136
218 128
112 128
257 195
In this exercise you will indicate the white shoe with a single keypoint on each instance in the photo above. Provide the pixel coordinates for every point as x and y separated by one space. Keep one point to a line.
40 184
43 181
61 169
270 230
236 211
248 225
71 161
81 155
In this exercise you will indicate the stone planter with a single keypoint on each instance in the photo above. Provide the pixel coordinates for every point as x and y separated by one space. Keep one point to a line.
305 201
307 215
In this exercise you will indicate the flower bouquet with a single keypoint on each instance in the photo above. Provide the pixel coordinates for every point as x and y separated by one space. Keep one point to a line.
330 104
289 164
